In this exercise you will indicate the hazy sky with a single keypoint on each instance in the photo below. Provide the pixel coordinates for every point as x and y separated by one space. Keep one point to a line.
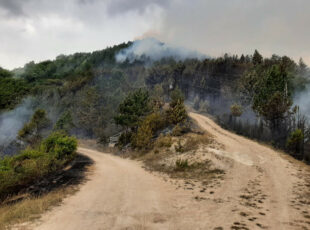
42 29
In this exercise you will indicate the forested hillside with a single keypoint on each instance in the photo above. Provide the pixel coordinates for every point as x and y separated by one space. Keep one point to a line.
251 95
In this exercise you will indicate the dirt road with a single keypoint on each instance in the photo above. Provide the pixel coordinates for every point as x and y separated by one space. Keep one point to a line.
259 191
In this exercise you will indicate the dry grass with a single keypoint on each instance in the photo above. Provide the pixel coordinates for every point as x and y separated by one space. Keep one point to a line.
31 208
163 141
195 140
172 156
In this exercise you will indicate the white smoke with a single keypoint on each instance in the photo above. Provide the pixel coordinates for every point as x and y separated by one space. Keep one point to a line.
11 122
303 101
156 50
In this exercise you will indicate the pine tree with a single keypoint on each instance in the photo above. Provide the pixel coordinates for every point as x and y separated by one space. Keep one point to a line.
257 58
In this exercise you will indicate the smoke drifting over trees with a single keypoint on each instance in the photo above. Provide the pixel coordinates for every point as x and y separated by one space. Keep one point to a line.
88 87
11 122
150 48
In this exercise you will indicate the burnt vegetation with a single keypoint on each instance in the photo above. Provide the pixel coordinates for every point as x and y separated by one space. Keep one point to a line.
92 95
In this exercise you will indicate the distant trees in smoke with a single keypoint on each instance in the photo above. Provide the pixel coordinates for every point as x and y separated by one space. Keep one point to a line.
251 95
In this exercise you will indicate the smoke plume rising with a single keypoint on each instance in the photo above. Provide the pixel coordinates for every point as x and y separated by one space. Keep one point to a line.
11 122
302 100
156 50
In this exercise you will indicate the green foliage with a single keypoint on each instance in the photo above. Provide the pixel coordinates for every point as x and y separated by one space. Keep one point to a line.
133 114
150 124
93 85
177 113
90 113
133 108
295 141
176 97
23 169
270 90
124 139
11 90
181 128
5 73
163 141
257 58
60 144
157 97
31 130
155 121
65 122
142 139
181 165
236 110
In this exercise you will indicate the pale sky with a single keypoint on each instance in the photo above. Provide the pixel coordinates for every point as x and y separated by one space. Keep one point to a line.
42 29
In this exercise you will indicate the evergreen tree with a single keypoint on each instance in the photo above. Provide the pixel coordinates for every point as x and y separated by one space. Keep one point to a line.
257 58
133 108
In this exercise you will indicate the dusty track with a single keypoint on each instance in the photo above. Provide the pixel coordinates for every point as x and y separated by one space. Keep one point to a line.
256 194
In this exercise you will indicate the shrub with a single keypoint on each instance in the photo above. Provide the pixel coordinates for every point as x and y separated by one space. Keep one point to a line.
177 113
31 130
163 141
65 122
236 110
295 141
179 147
19 171
193 142
124 139
142 138
11 90
181 165
155 120
60 144
146 129
181 128
133 108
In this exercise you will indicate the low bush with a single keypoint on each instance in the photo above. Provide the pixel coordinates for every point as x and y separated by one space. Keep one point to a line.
192 143
19 171
163 141
124 139
181 165
142 139
59 144
146 130
179 147
295 141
